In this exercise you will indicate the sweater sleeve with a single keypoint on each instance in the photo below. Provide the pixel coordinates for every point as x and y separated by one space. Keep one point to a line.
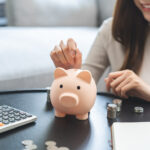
97 59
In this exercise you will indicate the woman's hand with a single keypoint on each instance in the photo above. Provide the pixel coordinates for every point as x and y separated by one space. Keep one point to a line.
126 83
67 56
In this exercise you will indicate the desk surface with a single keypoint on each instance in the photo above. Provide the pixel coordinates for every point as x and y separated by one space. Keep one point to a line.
92 134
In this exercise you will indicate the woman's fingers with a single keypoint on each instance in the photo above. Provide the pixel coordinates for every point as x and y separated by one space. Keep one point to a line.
55 59
78 59
118 89
111 77
119 82
72 46
67 56
116 82
125 89
115 74
67 53
107 84
60 55
62 45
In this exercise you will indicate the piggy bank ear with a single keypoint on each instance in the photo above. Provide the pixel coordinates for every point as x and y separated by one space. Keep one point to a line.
85 76
59 72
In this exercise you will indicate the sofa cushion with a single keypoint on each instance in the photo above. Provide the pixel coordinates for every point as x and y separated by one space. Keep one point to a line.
24 54
52 12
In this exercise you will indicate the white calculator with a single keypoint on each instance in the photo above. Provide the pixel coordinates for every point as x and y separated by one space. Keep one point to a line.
11 118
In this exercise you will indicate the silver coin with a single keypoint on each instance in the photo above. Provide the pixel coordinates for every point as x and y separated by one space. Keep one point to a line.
112 111
118 102
63 148
138 109
50 143
112 106
31 147
52 148
27 142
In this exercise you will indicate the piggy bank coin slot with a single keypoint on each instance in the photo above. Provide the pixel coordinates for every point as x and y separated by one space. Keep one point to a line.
78 87
61 86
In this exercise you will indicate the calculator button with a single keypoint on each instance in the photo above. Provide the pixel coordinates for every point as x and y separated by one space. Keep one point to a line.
23 116
5 121
0 119
11 115
16 114
1 124
11 119
17 118
11 112
5 117
4 110
5 113
22 113
16 111
28 115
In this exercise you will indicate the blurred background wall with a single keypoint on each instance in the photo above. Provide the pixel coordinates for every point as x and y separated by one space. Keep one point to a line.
55 12
3 19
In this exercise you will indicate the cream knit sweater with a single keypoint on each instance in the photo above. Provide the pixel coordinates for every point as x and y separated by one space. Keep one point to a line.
106 51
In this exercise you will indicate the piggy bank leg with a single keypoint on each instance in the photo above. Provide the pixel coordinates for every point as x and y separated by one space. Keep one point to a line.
82 117
59 114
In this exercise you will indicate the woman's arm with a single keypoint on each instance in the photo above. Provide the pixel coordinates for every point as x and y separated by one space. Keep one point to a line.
97 60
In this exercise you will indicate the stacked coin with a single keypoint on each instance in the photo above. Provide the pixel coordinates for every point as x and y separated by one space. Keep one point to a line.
118 102
63 148
112 111
29 145
48 94
138 109
51 145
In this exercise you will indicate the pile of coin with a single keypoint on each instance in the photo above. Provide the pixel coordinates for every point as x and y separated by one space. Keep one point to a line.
51 145
112 111
113 108
138 109
29 145
48 94
118 102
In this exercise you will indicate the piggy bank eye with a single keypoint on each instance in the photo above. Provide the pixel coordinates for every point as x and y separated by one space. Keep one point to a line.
78 87
61 86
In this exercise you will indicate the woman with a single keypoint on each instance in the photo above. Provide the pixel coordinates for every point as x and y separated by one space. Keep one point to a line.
121 43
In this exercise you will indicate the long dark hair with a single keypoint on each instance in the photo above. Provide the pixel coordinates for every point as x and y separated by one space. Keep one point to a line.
130 29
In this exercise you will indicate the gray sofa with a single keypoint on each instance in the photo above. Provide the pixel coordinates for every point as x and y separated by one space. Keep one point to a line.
25 49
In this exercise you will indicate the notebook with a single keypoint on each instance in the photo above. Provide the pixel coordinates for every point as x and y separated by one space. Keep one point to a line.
131 136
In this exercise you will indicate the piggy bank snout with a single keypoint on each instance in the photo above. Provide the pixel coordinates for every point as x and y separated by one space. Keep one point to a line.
69 99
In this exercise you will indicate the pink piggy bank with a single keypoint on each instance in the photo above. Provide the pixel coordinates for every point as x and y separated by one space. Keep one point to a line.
73 92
